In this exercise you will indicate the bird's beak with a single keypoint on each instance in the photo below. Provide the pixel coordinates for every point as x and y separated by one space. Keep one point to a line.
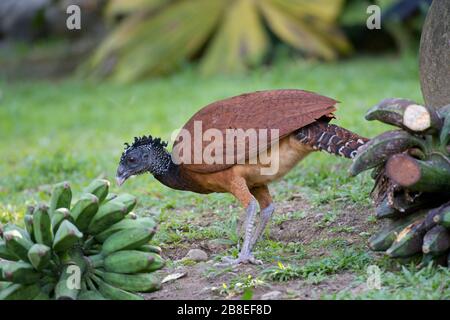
120 180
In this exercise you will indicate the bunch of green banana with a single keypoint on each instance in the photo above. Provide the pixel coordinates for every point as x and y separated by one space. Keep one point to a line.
412 173
426 232
92 249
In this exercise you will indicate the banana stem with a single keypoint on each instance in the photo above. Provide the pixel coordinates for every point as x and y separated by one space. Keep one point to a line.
96 261
83 284
426 145
90 240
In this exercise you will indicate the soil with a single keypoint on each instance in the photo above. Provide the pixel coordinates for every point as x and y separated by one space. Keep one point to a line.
198 283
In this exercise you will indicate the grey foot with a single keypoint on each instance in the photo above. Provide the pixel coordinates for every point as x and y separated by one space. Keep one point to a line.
230 261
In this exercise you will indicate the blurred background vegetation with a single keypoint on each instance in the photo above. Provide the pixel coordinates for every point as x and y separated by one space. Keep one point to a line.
128 40
70 99
66 110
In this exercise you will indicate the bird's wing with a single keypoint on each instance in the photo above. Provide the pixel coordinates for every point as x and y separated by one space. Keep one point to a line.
281 110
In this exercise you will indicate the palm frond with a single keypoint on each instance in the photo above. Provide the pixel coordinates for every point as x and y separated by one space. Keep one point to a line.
157 36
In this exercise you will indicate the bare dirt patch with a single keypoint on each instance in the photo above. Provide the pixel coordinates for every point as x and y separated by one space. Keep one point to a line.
200 282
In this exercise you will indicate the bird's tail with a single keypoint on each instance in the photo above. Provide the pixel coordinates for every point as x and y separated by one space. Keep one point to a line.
331 138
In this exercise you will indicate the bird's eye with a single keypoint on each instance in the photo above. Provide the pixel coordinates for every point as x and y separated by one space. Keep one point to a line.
131 159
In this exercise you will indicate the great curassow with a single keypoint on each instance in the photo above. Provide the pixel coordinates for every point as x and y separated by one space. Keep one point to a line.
298 122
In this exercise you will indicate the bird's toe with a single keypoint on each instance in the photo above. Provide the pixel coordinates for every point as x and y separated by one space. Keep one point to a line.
230 261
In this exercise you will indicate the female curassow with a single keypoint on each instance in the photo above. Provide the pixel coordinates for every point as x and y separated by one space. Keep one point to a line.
298 124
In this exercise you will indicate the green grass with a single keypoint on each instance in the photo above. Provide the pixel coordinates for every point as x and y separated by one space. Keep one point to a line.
339 260
406 284
75 130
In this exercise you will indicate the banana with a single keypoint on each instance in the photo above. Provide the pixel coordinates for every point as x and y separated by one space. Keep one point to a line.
127 199
431 258
385 210
66 289
42 296
443 217
402 202
30 210
28 220
114 293
39 256
3 284
389 111
61 196
59 216
150 248
17 245
90 295
444 111
20 292
145 222
379 149
110 196
158 263
5 254
436 241
42 226
89 242
96 261
99 188
127 239
445 131
384 238
402 206
84 210
12 227
131 215
140 282
408 242
47 284
429 222
107 215
128 261
20 272
405 114
66 236
2 264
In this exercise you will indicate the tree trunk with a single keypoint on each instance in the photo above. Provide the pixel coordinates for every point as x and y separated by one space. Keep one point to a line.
435 55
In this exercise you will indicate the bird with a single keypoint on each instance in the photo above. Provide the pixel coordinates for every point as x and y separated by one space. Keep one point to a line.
294 124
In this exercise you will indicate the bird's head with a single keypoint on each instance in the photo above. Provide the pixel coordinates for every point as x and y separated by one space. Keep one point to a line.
144 155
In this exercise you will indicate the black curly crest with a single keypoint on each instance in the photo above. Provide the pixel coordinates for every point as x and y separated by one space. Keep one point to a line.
145 141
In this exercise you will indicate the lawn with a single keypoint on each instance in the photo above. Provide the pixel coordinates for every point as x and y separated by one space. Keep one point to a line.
74 130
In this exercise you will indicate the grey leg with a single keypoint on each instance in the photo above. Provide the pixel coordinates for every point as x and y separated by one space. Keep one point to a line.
266 215
246 256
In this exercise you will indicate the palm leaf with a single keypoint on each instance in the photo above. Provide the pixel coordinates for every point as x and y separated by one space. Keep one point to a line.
157 36
325 10
173 36
295 32
321 15
241 40
116 8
